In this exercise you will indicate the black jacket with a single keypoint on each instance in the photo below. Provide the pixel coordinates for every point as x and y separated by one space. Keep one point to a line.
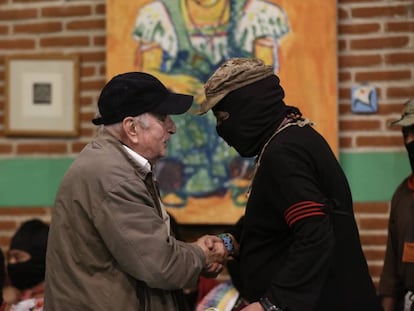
299 242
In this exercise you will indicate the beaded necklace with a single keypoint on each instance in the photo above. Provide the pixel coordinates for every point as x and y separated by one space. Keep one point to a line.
288 121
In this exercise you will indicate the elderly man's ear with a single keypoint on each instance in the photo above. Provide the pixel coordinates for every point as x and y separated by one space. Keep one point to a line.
130 129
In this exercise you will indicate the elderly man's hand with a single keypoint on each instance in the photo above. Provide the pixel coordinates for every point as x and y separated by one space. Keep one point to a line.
215 252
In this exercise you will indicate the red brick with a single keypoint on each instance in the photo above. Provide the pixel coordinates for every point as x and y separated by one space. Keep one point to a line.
87 132
100 8
17 14
373 239
92 85
93 56
66 11
4 29
31 1
384 11
70 41
6 148
375 269
99 40
379 43
405 26
25 211
7 225
383 75
342 45
345 142
371 207
78 146
87 116
344 93
377 140
44 148
342 13
85 101
344 76
47 27
358 28
359 60
399 58
373 223
87 71
401 92
374 254
358 125
86 24
16 44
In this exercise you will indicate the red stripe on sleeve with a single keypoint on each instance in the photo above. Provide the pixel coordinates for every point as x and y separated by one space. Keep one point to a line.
302 210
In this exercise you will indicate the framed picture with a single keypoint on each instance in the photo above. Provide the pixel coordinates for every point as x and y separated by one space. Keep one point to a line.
42 95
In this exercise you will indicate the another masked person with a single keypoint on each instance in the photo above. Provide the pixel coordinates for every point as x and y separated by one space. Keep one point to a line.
26 265
397 279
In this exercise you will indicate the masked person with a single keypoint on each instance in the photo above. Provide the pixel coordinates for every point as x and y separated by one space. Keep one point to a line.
396 285
26 264
299 247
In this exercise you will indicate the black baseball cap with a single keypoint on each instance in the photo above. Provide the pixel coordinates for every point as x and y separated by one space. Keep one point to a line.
134 93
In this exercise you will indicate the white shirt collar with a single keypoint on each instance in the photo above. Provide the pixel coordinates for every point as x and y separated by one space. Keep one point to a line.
139 158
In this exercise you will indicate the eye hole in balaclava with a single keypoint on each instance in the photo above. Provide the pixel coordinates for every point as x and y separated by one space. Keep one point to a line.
31 237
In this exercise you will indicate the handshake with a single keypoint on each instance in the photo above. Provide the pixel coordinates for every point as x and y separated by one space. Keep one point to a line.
217 249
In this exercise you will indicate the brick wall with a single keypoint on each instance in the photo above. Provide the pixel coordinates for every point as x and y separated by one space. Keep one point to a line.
375 44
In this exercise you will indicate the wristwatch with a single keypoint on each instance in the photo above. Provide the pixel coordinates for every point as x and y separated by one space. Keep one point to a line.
268 306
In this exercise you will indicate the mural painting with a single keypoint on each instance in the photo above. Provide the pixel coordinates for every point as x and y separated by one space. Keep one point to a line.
182 42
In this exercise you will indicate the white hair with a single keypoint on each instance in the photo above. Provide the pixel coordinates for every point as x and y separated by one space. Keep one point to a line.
116 129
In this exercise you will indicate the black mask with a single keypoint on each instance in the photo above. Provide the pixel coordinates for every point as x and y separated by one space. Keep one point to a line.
255 112
24 275
410 150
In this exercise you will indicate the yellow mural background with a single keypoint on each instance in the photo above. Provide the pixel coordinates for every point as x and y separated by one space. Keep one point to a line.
308 73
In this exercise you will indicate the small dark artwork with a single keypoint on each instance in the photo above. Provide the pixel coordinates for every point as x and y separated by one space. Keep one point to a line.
42 93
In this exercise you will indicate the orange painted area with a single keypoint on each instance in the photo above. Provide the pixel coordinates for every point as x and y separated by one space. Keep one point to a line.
308 73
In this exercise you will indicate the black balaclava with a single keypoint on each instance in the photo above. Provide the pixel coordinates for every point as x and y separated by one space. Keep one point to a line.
31 237
255 112
410 146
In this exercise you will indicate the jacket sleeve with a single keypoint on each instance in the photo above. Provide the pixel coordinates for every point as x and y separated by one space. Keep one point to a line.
298 283
390 284
136 236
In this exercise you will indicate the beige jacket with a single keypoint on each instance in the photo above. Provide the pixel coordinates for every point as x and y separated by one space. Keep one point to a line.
108 247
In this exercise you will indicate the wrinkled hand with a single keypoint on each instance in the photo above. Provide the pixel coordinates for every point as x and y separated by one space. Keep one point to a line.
215 252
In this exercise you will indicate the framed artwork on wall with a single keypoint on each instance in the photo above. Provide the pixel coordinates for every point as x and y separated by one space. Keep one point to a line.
182 42
42 95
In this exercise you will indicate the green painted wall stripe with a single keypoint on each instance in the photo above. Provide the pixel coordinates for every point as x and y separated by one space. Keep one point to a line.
374 176
34 182
31 182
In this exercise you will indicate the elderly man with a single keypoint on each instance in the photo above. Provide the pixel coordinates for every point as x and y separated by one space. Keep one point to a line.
299 242
110 245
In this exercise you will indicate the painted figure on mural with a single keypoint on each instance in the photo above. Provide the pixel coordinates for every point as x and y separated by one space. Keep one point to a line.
182 42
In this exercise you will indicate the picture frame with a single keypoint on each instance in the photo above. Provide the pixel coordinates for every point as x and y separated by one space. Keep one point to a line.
42 95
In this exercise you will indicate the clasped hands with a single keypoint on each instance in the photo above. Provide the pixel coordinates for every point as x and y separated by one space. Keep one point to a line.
216 255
